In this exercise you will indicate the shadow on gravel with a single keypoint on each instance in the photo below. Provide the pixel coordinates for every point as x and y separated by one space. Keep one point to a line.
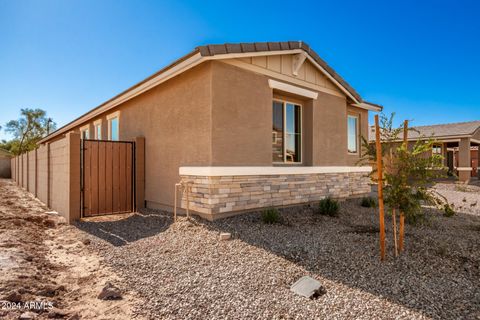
438 274
127 230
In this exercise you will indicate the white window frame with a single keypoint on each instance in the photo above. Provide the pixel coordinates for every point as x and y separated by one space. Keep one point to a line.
110 117
284 103
85 128
434 146
357 133
96 125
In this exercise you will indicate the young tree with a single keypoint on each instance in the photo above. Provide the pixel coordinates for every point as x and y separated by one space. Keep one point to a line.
408 171
32 126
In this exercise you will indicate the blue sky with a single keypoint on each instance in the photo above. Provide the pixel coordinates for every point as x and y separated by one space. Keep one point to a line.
417 58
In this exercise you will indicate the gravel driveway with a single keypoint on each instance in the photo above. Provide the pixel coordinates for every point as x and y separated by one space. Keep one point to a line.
184 271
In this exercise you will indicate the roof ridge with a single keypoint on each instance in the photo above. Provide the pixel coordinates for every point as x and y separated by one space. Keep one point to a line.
446 124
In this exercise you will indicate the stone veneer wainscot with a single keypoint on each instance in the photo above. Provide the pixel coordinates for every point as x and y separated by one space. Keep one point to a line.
221 191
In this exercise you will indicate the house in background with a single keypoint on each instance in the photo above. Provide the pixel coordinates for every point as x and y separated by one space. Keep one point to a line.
458 143
5 157
247 126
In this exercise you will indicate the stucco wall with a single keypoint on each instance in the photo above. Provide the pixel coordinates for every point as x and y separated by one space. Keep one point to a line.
175 120
241 117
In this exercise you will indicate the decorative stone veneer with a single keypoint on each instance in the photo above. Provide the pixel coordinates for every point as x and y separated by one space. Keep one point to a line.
217 195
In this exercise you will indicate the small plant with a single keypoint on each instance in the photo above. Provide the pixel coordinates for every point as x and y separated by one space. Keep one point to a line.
368 202
448 210
328 207
271 216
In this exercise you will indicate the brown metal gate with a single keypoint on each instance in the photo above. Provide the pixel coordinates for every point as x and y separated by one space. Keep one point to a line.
108 182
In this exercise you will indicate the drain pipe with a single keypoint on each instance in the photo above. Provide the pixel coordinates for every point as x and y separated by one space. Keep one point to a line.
185 188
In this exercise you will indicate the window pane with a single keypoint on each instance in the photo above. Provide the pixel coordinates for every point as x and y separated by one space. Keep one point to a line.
85 134
293 134
277 132
114 129
99 132
293 148
352 134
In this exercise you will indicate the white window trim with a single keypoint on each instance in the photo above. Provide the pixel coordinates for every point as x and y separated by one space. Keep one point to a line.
111 116
274 84
357 133
97 123
284 103
83 129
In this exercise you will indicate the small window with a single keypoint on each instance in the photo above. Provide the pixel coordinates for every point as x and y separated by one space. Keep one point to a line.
286 132
98 131
437 149
352 133
113 128
85 134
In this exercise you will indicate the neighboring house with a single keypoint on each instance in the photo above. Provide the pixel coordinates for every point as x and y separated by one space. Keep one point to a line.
5 170
457 143
247 125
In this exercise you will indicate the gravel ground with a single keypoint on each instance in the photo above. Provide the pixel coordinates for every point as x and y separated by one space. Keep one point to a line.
183 270
465 198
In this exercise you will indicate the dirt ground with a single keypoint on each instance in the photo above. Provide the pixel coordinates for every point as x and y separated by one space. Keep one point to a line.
48 269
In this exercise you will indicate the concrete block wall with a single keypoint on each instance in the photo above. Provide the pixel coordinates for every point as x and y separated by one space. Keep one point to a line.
58 180
31 165
52 174
217 196
42 173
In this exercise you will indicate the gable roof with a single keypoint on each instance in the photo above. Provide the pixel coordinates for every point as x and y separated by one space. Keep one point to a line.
220 51
440 130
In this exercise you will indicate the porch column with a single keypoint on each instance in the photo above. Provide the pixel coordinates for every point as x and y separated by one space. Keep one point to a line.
464 160
478 162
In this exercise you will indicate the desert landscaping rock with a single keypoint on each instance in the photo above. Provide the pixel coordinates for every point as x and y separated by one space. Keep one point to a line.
110 292
29 315
225 236
182 271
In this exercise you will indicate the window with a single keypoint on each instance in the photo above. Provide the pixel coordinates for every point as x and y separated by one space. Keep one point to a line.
113 128
437 149
85 134
98 131
286 132
113 120
352 133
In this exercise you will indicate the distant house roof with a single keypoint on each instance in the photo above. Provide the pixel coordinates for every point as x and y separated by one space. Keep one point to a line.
221 51
459 129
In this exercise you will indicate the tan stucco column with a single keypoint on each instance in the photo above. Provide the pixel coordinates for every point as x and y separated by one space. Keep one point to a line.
73 176
478 163
464 160
139 172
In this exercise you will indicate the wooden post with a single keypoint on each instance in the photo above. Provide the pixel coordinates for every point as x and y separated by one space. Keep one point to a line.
402 216
394 219
380 189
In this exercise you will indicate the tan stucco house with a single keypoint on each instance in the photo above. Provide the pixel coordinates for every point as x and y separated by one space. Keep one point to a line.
247 125
458 143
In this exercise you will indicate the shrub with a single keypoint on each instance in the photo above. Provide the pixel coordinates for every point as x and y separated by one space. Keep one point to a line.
328 207
368 202
271 216
448 210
